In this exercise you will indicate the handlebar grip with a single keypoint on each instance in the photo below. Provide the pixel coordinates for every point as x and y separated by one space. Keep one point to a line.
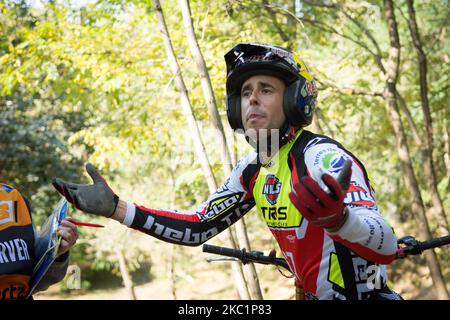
433 243
246 257
221 251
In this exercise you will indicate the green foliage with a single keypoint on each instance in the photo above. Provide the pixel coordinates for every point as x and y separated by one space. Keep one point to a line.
93 84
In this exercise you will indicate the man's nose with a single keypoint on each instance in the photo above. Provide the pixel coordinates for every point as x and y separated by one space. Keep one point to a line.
254 99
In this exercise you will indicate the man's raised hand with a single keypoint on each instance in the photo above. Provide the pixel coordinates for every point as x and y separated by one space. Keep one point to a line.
325 210
97 198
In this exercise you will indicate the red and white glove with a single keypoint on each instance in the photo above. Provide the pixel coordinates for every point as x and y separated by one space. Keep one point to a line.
325 210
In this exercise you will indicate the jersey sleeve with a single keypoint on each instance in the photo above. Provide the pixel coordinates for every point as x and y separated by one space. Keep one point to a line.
365 232
56 273
191 228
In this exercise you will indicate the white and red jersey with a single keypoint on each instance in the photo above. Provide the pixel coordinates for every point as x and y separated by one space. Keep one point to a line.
348 264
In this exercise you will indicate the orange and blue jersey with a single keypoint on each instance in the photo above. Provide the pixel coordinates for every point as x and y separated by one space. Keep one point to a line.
17 257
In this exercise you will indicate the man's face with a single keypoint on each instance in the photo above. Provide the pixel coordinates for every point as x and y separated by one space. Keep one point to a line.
262 103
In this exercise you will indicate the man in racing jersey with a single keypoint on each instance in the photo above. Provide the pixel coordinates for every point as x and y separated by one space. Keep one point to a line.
314 195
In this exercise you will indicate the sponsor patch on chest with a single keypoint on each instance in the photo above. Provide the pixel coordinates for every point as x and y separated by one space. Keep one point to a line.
271 188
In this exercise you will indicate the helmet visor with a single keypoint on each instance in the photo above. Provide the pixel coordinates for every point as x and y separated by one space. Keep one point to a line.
245 53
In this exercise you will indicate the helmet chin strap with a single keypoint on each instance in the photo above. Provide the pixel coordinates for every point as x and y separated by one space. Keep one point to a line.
285 131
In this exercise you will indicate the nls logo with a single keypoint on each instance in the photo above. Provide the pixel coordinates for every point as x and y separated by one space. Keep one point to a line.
271 188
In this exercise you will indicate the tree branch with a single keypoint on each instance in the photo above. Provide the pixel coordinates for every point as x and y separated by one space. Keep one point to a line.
349 91
272 14
422 64
409 117
330 29
369 35
322 5
364 30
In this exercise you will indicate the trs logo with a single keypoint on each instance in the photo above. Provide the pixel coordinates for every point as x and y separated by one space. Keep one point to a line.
274 213
271 188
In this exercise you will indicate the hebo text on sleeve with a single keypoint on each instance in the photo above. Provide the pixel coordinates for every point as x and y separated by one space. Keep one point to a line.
192 228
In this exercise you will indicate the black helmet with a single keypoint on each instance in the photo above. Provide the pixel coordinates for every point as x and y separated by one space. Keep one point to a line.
249 59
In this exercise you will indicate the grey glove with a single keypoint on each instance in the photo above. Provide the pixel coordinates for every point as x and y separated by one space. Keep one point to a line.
97 198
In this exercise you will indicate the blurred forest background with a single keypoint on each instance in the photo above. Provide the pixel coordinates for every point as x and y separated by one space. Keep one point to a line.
87 80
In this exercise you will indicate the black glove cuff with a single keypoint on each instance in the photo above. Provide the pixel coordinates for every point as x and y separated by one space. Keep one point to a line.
116 202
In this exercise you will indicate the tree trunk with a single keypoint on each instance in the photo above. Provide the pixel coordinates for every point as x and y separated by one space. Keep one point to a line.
195 132
427 144
171 273
417 206
207 89
171 258
208 93
446 139
186 104
127 281
249 269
